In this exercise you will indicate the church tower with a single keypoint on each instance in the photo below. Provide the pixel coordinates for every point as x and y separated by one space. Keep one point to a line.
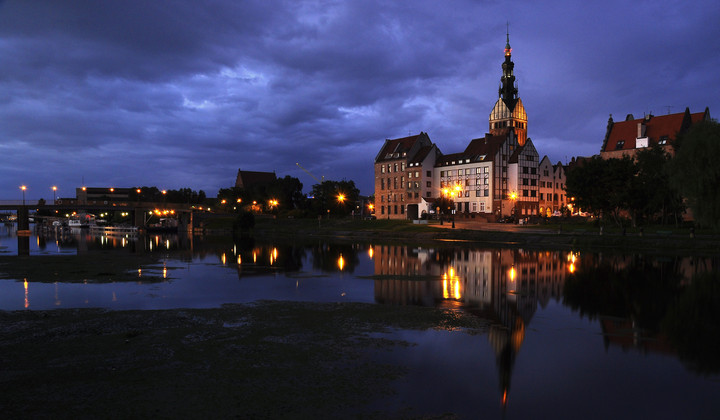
509 111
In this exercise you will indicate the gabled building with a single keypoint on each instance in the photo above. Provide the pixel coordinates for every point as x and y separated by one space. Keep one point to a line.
523 180
496 175
551 191
467 177
625 138
392 194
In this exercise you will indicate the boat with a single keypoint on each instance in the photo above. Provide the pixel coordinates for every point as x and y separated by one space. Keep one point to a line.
81 220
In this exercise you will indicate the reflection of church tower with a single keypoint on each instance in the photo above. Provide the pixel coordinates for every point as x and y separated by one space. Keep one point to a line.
509 110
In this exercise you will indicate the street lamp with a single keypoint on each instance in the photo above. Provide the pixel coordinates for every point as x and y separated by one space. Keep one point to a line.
54 188
513 197
23 188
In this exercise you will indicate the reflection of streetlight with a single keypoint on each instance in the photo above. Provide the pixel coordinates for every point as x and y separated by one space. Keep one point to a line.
23 188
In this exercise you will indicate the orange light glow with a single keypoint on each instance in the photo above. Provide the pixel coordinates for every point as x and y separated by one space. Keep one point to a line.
341 262
371 252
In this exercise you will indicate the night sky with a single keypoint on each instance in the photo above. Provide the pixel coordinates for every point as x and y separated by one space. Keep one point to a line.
179 94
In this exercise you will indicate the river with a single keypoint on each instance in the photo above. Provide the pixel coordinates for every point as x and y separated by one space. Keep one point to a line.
603 334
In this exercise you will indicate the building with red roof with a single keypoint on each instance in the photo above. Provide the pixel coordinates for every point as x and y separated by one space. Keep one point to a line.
625 138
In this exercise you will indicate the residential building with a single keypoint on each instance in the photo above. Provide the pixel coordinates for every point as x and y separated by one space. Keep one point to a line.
625 138
552 187
392 194
496 175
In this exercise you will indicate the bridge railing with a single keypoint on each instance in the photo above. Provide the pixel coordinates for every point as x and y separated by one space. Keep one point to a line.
20 202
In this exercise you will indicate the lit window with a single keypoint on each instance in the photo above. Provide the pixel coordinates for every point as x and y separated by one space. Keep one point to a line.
620 145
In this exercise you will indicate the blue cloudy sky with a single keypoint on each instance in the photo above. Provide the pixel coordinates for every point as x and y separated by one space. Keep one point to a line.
180 94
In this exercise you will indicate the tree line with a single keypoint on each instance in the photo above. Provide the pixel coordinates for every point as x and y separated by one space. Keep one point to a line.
285 195
654 186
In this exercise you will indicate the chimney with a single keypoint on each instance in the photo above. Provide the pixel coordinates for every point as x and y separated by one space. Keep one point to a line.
641 130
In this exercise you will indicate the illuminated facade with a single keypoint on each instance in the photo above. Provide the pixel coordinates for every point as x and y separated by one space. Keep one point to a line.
496 175
404 176
509 111
551 191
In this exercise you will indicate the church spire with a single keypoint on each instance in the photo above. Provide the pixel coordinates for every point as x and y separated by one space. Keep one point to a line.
508 91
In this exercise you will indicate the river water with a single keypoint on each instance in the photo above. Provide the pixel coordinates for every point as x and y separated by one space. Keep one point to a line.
573 334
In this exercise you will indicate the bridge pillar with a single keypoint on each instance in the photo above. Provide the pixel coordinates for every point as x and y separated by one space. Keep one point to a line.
185 222
23 219
139 218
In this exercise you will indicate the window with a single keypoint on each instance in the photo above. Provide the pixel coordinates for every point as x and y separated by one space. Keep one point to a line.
417 195
545 172
482 206
382 183
417 174
382 169
427 194
467 171
663 140
533 193
533 182
409 175
533 171
620 145
428 173
409 195
395 167
525 181
474 207
525 193
382 209
429 184
525 169
402 165
478 193
467 193
442 173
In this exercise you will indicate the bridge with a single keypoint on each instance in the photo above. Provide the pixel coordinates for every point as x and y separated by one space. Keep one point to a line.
138 210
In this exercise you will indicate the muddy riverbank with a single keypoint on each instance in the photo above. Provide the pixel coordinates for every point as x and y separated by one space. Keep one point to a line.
265 360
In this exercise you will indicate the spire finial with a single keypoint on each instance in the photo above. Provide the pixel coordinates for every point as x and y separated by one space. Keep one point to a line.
508 50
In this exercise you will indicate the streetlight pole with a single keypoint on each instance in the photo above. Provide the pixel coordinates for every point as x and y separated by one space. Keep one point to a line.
23 188
54 188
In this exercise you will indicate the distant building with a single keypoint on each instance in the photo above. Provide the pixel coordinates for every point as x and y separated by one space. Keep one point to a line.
250 179
102 195
625 138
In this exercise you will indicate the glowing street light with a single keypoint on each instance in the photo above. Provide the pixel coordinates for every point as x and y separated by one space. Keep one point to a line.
23 188
341 198
54 188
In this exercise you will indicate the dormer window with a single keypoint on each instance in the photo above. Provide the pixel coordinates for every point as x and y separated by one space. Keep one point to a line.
663 140
620 145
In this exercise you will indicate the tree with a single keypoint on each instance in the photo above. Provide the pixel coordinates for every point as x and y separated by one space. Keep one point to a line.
445 203
696 172
601 186
651 190
335 197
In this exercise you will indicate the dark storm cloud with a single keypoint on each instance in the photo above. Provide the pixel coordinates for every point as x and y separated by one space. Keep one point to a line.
183 93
